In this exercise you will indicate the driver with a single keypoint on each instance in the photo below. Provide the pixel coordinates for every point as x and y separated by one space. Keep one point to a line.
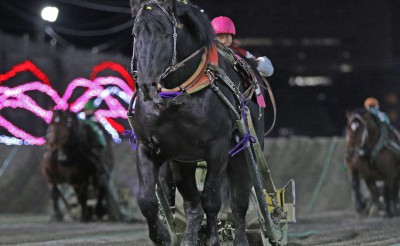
372 105
225 30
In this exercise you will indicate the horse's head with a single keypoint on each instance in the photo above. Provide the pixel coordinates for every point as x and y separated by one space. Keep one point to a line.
362 129
61 132
165 33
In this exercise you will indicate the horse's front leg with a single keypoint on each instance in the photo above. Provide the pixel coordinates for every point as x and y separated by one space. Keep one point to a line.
184 176
82 193
148 173
355 184
395 197
389 193
374 191
167 180
55 195
241 183
211 199
101 210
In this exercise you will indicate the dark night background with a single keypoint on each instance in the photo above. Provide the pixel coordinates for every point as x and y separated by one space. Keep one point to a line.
353 44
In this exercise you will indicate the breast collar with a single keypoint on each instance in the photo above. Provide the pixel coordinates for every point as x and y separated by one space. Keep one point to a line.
199 78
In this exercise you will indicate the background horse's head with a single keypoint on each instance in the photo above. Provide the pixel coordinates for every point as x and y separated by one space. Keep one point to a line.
362 129
61 132
165 34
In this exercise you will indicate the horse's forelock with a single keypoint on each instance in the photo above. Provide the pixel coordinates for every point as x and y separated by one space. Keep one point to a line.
153 21
186 13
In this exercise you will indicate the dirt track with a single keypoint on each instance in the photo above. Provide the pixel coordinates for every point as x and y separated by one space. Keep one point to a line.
330 228
23 220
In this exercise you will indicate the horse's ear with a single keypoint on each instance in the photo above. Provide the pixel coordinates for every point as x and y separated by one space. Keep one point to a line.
348 114
135 6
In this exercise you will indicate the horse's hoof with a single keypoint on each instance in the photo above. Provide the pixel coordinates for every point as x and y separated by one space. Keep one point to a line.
188 242
100 212
86 219
160 235
214 241
388 214
360 207
240 241
57 218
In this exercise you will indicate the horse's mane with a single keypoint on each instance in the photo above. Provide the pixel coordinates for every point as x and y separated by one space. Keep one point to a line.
199 22
359 111
196 21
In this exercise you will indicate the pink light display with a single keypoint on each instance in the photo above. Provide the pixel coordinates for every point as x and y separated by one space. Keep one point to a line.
16 97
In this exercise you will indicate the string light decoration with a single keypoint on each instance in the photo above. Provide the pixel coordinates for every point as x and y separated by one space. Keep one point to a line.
104 89
23 67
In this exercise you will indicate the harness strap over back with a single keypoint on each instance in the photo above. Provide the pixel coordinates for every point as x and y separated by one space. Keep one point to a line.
242 67
199 79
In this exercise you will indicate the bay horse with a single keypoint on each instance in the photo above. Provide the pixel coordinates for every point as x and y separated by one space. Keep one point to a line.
373 154
73 156
173 122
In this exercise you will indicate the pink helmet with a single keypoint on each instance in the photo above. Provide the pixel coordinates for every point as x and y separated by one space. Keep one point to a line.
223 24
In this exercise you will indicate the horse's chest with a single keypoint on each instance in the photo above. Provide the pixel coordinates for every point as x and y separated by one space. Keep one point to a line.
169 124
185 130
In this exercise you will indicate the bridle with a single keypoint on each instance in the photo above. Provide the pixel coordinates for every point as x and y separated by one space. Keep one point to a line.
172 19
173 64
364 134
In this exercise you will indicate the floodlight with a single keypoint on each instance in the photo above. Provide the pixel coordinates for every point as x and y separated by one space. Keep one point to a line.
50 13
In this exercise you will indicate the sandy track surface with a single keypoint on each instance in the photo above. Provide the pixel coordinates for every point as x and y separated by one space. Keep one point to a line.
331 228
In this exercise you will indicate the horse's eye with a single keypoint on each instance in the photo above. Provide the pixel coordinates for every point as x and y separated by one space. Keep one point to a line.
354 126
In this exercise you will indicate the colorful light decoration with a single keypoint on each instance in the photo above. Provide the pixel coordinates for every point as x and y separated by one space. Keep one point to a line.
116 67
23 67
15 97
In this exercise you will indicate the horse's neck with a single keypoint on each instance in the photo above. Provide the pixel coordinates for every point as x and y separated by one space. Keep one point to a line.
184 73
373 135
75 136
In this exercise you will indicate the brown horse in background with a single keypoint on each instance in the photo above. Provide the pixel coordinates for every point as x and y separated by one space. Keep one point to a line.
373 153
73 156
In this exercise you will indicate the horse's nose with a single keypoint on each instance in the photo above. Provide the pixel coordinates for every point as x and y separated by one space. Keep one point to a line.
61 157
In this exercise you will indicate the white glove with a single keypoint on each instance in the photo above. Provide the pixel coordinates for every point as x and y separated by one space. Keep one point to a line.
264 66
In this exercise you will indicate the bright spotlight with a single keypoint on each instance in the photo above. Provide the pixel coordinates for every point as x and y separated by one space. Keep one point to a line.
50 14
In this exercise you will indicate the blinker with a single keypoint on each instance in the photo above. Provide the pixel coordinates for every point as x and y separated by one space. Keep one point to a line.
149 8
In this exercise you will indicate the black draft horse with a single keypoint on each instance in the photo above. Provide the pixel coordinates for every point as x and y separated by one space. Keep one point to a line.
373 154
170 41
73 156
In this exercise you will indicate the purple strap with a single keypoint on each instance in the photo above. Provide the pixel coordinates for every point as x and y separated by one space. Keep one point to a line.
242 144
169 94
132 138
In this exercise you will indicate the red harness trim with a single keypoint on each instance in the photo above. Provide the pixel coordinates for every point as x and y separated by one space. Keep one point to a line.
199 79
